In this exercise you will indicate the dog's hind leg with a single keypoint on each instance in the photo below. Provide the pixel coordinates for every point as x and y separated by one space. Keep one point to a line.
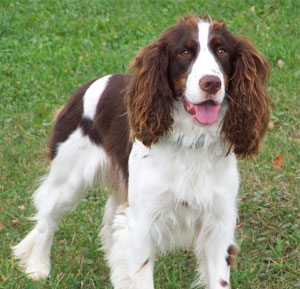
72 170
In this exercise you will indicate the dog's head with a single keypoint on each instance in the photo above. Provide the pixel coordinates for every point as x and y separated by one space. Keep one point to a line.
199 62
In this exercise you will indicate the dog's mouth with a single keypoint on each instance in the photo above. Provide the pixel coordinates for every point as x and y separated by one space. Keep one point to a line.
205 113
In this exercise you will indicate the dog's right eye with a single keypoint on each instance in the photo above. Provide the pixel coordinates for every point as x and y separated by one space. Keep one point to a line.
221 51
185 53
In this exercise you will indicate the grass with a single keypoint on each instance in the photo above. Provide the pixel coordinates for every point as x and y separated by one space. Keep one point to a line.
49 48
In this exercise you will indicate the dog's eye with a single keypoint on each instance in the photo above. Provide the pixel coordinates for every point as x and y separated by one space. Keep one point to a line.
221 51
185 53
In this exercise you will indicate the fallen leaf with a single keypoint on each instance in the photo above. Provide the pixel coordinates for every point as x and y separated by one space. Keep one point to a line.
253 9
278 162
188 255
22 207
16 221
1 225
271 125
280 63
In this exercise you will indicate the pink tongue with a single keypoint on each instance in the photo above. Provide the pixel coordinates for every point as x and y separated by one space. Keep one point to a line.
205 113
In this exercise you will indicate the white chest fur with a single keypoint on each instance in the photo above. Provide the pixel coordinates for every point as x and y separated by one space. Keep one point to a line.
180 190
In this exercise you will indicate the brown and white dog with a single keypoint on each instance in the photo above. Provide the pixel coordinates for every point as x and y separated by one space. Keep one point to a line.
167 136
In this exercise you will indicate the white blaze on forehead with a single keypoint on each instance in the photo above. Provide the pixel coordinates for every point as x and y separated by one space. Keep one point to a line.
203 35
205 64
92 96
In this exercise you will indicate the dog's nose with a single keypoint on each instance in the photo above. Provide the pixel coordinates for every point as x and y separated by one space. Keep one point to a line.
210 84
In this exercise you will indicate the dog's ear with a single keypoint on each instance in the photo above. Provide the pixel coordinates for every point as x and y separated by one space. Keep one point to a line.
247 117
149 97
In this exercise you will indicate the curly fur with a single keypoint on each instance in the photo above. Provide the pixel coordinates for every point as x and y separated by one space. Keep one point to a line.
149 96
247 117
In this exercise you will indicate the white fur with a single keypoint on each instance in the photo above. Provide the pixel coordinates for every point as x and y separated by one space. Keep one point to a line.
72 171
92 96
205 64
183 198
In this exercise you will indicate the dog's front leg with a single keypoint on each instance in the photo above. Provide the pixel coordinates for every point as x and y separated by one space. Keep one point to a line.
131 257
215 247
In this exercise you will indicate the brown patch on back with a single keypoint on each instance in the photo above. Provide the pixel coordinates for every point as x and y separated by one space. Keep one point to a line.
56 114
111 128
68 119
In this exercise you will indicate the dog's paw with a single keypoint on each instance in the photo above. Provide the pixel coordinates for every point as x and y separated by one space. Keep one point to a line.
30 258
37 271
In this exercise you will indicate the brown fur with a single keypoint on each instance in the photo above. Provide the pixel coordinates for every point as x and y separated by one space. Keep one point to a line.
224 283
149 97
247 117
232 254
143 266
67 119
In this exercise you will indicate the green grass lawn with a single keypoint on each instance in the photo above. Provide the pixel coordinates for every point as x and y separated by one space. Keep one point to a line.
49 48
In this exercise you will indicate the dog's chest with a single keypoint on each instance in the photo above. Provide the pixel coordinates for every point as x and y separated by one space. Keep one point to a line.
178 188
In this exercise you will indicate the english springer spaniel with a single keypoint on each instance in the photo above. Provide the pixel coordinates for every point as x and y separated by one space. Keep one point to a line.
166 136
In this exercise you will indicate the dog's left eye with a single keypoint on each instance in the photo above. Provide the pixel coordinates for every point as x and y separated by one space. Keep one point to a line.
221 51
185 53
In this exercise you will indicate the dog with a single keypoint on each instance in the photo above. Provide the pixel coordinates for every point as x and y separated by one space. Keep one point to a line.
166 137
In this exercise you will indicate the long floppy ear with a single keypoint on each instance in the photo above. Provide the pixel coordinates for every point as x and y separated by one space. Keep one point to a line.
149 97
247 117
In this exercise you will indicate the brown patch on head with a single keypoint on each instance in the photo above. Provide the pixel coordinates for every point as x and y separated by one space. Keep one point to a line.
217 41
232 254
189 20
190 44
149 95
217 24
226 81
179 84
224 283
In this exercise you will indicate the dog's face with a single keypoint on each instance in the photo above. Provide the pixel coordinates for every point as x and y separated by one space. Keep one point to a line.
201 63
